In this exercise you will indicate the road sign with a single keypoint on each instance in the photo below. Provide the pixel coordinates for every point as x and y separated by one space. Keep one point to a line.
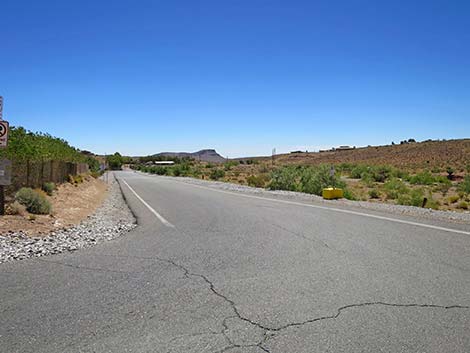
5 172
332 171
3 133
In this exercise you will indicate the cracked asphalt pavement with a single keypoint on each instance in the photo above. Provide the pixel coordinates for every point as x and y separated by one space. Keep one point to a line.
237 274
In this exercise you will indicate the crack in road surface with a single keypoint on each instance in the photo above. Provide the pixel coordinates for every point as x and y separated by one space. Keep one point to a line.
268 331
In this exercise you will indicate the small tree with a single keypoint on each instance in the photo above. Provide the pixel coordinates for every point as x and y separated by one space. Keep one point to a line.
115 161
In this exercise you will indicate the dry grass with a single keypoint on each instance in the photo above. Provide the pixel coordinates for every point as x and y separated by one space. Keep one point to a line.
70 204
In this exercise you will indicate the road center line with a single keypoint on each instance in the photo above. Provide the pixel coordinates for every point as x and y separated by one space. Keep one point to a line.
424 225
160 217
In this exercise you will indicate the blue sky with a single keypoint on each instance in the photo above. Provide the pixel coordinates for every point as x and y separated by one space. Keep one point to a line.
243 77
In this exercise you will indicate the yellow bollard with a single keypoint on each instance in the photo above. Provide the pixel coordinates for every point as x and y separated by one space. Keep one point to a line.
332 193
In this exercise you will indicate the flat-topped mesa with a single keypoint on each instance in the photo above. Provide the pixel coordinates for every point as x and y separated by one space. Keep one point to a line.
206 155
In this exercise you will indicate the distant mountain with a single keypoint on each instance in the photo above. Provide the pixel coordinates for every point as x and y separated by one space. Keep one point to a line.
202 155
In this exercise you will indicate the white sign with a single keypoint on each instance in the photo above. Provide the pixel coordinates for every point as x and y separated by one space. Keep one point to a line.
3 133
332 171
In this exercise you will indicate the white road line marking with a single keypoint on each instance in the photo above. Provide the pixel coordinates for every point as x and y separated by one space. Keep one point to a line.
335 210
163 220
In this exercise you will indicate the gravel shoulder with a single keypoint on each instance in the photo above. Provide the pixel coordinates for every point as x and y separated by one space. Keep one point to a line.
415 212
109 221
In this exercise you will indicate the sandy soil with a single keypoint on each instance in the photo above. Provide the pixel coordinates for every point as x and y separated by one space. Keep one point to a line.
70 205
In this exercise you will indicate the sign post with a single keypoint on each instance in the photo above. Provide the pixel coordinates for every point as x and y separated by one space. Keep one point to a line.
5 179
5 165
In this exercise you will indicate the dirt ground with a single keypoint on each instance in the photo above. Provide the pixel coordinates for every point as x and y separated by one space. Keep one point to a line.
70 205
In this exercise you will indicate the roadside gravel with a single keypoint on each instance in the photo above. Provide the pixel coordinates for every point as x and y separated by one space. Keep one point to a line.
424 213
111 220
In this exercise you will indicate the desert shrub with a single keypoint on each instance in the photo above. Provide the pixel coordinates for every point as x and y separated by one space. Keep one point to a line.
374 194
345 167
310 180
285 178
423 178
159 170
454 198
79 179
93 164
217 174
196 172
463 205
258 181
414 198
115 161
358 171
176 171
228 165
433 204
210 165
35 201
394 188
264 168
314 179
450 173
380 173
442 187
16 208
349 195
49 188
464 186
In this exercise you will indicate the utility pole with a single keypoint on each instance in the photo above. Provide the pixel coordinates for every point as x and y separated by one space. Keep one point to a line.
273 155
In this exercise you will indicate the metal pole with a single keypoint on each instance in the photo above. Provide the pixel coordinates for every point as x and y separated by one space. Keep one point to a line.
2 200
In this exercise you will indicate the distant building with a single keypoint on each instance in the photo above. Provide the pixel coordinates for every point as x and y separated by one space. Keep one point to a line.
160 163
345 148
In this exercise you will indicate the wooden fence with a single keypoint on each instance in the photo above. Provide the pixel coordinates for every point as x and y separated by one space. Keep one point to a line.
35 174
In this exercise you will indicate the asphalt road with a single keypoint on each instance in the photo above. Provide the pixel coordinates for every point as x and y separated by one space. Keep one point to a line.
210 271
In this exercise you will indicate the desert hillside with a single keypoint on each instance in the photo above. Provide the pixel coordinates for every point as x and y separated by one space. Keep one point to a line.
430 154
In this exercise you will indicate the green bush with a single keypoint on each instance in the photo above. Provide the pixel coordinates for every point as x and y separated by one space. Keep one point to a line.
309 179
464 186
414 198
374 194
423 178
159 170
349 195
433 204
463 205
93 164
285 178
314 179
358 171
34 201
217 174
49 188
257 181
228 165
26 145
115 161
394 188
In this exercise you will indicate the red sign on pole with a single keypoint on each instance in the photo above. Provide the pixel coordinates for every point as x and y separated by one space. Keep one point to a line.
3 134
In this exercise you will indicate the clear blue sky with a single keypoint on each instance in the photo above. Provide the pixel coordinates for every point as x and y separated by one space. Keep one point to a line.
239 76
